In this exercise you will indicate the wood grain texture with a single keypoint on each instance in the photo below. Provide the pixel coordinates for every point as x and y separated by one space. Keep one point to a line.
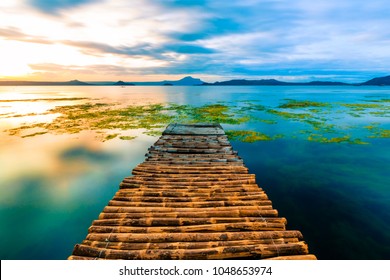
192 198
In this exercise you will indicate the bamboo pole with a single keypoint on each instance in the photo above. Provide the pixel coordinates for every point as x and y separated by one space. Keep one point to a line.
201 204
199 214
194 189
247 226
156 197
259 250
184 245
184 221
193 237
130 209
132 192
128 186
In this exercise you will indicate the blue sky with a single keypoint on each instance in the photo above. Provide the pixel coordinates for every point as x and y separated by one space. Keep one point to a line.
343 40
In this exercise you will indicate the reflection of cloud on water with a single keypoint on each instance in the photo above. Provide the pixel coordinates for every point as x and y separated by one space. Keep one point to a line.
82 153
53 186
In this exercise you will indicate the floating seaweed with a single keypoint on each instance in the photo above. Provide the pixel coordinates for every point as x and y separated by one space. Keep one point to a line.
316 117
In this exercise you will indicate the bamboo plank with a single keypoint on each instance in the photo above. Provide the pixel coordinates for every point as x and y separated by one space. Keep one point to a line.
129 209
253 197
195 189
201 204
193 237
199 214
245 226
224 195
258 250
148 186
184 221
184 245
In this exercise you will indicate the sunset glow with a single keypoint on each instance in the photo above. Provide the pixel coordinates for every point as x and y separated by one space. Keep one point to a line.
95 40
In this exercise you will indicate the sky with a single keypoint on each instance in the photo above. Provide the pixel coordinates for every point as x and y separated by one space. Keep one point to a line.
215 40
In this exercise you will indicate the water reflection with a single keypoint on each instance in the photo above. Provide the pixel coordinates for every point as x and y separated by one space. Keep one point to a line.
53 186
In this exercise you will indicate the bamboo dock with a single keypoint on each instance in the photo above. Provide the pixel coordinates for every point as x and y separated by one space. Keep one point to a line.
192 198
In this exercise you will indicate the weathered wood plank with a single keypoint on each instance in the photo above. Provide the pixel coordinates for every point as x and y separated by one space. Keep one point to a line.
192 198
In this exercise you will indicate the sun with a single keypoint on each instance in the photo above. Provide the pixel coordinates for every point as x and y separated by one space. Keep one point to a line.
13 62
10 70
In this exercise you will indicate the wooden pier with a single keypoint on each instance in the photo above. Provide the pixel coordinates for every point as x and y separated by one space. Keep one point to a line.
192 198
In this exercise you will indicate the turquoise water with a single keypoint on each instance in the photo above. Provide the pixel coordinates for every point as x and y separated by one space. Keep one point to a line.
338 194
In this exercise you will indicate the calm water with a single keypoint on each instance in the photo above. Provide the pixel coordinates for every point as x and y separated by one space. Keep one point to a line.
338 194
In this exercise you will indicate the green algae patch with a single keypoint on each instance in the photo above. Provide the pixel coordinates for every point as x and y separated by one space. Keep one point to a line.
376 109
297 104
17 131
102 117
383 100
127 138
341 139
34 134
154 133
218 113
110 136
289 115
321 126
249 136
322 139
380 133
114 120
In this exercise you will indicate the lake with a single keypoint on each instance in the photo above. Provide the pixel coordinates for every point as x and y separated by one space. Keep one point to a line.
321 154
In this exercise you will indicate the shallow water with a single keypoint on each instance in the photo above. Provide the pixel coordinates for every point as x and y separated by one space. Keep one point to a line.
326 183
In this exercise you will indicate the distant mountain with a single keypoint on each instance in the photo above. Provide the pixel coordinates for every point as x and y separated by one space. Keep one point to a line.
76 83
322 83
381 81
272 82
34 83
186 81
122 83
190 81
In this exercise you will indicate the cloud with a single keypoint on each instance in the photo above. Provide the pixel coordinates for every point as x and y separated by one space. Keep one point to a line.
215 37
15 34
53 6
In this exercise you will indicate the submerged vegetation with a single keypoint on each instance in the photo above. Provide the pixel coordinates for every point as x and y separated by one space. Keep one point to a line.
294 104
310 120
247 136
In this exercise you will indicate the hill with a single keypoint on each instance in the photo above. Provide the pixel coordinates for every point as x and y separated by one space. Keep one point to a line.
381 81
272 82
186 81
122 83
243 82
